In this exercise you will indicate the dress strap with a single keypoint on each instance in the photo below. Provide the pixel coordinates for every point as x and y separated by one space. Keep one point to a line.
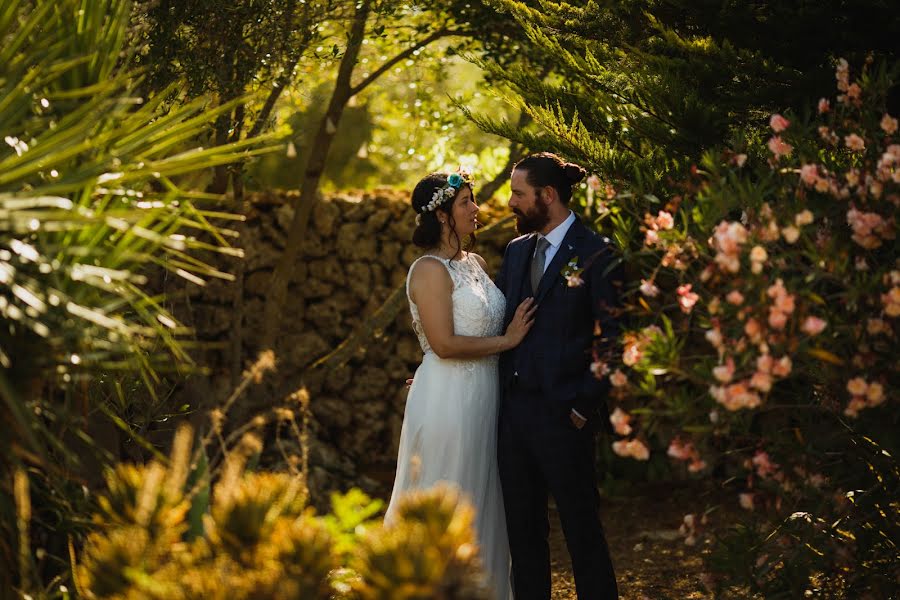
444 261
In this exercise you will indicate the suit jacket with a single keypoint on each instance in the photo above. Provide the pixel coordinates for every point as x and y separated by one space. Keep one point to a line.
555 356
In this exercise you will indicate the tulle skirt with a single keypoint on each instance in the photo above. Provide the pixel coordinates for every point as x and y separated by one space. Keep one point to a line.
450 434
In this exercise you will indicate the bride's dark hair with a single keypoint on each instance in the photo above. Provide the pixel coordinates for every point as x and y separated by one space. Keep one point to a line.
427 234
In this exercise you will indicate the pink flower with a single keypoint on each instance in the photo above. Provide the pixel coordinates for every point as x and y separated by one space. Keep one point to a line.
594 183
809 174
735 297
599 369
891 302
764 466
724 373
714 337
738 396
777 319
651 237
686 298
776 289
664 220
842 74
854 142
758 254
764 363
620 421
855 405
866 226
681 451
746 501
730 236
875 394
854 91
631 448
574 281
790 234
761 381
782 367
739 160
696 466
824 106
778 123
813 325
632 355
857 386
618 379
785 303
779 147
649 289
753 330
889 124
874 326
728 262
804 217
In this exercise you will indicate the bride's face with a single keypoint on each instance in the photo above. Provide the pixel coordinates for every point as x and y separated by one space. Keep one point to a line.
465 212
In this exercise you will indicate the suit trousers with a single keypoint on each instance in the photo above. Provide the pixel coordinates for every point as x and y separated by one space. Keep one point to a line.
541 453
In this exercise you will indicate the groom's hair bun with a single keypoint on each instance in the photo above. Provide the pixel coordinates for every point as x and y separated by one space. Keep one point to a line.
574 172
547 169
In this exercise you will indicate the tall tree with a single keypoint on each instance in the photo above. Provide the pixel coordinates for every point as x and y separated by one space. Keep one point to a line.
472 25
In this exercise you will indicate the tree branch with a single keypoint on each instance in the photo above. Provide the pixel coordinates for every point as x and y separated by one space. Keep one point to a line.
402 56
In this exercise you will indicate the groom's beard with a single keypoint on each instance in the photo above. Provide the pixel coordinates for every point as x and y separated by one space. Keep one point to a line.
533 220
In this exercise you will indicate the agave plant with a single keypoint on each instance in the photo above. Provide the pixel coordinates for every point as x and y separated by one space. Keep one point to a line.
91 204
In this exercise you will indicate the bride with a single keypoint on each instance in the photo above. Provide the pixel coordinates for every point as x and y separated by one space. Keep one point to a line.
450 425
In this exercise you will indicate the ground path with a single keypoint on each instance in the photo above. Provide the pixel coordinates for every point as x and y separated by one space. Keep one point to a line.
652 561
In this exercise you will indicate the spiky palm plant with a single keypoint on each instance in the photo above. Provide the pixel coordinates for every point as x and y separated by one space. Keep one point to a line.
91 203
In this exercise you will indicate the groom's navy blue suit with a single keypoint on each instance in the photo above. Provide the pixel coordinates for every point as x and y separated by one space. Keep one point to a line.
540 451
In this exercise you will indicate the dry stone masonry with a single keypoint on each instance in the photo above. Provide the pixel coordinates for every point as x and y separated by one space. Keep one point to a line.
356 254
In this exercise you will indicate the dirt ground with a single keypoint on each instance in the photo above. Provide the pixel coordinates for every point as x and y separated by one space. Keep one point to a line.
651 560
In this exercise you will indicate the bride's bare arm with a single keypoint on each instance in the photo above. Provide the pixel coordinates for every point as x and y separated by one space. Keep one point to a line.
430 287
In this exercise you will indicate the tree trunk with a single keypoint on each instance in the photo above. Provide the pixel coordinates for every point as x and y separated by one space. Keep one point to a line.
312 175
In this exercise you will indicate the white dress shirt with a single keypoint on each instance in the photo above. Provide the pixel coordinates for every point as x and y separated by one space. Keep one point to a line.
555 238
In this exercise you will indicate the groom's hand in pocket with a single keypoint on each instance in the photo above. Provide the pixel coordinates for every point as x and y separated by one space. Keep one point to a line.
577 420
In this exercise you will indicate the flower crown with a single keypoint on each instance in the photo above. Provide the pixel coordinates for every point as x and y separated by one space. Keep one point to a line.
449 189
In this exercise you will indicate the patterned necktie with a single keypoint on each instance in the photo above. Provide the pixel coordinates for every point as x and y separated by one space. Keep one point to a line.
537 263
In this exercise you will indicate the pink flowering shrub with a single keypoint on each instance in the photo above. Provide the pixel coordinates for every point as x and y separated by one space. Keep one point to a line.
765 342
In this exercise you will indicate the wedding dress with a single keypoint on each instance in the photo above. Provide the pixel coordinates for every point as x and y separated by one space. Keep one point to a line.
450 425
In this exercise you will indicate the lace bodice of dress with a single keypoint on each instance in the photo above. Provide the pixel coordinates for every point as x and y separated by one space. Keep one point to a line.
478 304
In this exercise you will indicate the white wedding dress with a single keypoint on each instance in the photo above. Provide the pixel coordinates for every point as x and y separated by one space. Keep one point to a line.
450 425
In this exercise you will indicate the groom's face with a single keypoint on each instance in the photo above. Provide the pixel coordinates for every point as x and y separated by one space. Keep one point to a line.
532 213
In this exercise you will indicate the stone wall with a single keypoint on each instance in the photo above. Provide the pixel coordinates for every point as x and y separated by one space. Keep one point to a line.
356 254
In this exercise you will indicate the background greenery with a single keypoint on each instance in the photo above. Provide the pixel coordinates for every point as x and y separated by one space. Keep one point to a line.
132 129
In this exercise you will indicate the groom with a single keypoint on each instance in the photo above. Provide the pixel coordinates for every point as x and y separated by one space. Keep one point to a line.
551 403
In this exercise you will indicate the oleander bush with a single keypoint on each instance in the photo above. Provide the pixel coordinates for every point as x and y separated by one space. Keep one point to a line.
765 337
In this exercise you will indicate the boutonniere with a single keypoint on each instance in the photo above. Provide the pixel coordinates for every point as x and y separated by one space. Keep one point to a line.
572 273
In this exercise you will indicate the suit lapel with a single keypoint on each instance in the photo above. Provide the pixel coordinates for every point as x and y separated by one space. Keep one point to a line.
519 279
566 251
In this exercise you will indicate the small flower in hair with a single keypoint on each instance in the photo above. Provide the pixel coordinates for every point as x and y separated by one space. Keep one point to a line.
454 182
